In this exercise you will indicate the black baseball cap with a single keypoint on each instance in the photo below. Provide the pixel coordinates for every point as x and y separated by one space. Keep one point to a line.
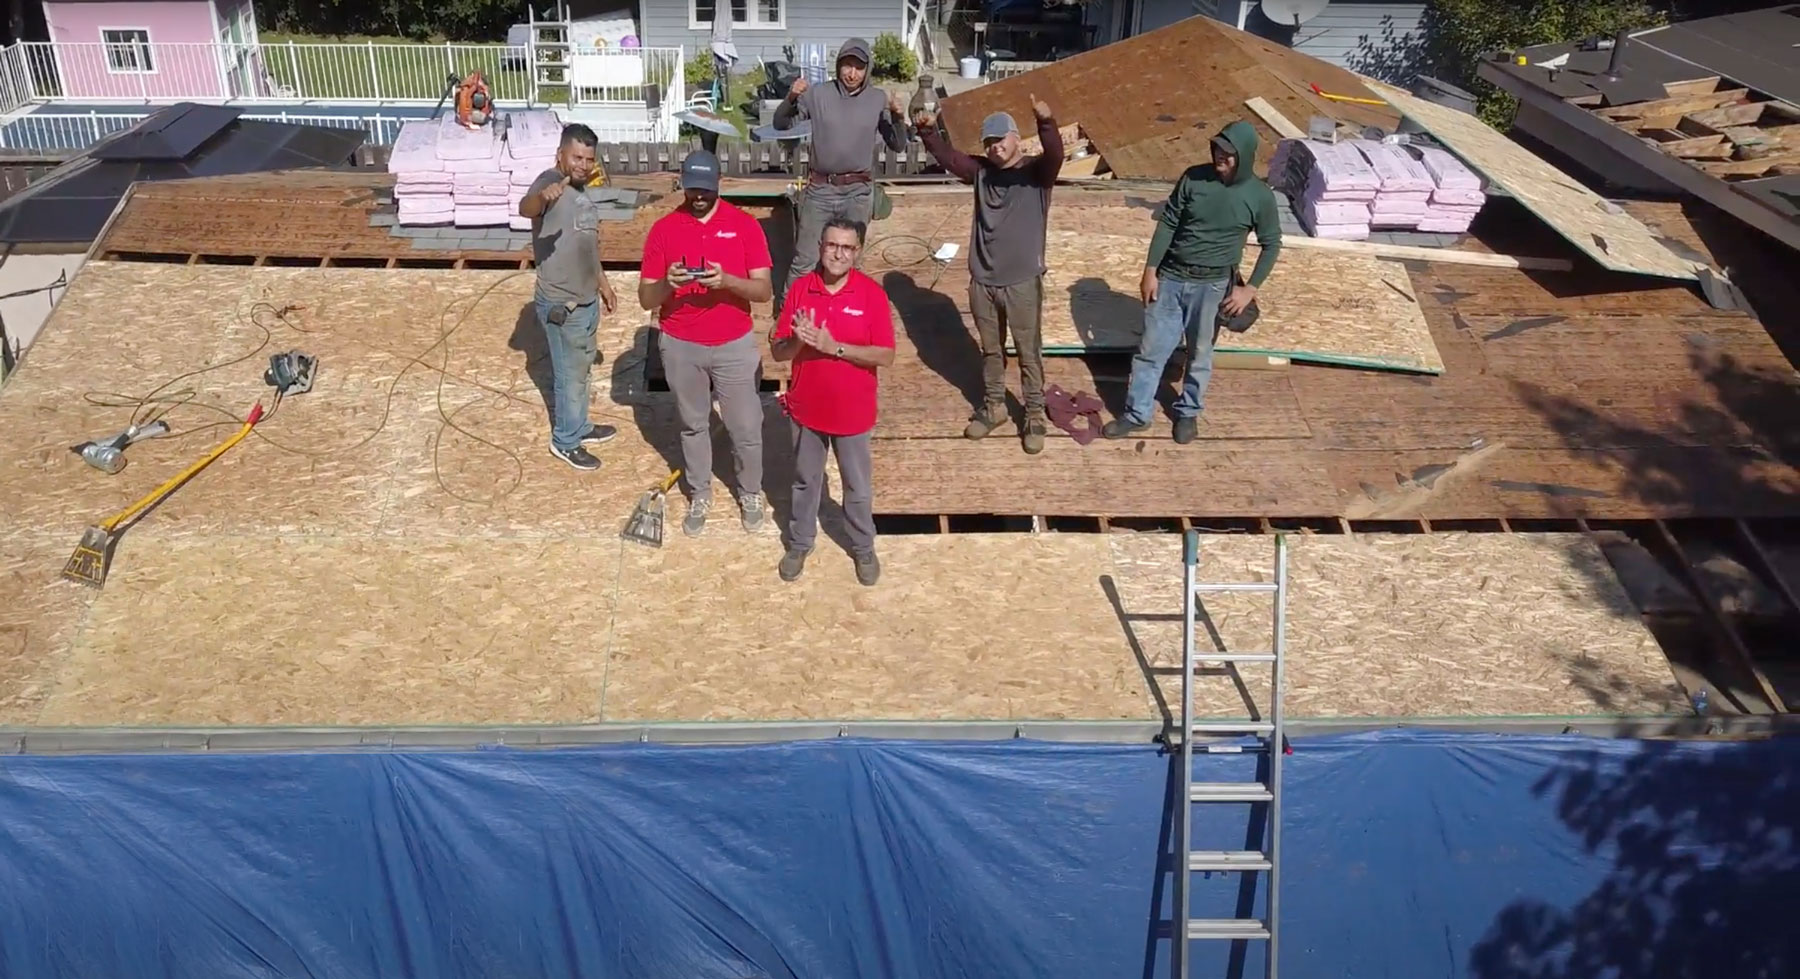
700 171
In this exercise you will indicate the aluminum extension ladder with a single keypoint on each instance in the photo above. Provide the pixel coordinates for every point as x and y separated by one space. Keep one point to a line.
1264 794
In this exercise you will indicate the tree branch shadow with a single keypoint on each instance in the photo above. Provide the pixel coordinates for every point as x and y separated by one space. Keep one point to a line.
1701 884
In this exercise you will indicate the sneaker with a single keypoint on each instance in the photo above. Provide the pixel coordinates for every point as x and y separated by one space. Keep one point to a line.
754 511
578 457
1119 428
868 569
599 434
792 563
695 521
1034 436
1187 429
985 421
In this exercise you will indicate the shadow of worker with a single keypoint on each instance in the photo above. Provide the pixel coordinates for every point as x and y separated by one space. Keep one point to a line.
938 333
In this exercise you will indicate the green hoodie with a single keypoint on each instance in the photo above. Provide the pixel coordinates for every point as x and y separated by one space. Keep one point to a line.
1204 224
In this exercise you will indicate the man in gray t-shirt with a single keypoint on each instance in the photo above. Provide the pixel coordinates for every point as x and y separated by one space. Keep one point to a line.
571 288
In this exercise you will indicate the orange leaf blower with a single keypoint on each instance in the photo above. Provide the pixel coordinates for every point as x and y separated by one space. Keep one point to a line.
474 106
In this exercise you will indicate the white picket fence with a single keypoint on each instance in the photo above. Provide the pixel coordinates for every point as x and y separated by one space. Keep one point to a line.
290 73
52 132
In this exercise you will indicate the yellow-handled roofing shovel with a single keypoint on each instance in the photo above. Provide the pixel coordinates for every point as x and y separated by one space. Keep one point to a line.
93 555
646 522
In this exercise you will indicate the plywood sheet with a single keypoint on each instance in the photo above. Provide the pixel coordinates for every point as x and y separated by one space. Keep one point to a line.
1438 625
1320 306
961 626
296 630
1607 234
39 621
447 630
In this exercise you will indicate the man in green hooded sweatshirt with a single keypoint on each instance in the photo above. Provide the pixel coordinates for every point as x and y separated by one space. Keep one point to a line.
1191 272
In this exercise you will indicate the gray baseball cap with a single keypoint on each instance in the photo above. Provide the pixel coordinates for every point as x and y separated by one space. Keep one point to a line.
700 171
856 48
997 126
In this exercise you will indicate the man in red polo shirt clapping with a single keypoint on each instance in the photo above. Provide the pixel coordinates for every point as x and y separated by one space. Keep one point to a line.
704 264
837 328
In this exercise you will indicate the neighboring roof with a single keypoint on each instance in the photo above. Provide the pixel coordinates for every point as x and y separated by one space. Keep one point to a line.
1151 103
73 203
1714 123
1757 47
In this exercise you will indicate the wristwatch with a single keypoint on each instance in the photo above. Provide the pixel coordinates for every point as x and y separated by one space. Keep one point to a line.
840 352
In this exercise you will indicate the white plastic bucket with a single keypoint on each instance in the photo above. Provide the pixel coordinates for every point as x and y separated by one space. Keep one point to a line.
971 67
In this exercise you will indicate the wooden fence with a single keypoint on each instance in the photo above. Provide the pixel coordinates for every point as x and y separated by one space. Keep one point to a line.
736 157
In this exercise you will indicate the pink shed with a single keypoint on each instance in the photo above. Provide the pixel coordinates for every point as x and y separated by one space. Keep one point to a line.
158 50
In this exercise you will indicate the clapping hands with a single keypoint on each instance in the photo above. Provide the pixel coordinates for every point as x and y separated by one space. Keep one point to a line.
812 333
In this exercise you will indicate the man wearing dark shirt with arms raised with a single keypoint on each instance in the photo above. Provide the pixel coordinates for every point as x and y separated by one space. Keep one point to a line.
1006 257
1190 274
847 116
565 243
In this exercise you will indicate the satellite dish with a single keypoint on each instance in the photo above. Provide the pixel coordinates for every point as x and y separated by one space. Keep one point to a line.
1292 13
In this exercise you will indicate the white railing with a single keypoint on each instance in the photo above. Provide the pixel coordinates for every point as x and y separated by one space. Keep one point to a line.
290 72
41 131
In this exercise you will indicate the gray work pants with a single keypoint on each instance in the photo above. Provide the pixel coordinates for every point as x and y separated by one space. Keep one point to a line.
696 373
818 204
1016 309
855 465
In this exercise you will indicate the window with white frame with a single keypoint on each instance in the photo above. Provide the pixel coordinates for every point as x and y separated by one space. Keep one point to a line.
127 50
748 14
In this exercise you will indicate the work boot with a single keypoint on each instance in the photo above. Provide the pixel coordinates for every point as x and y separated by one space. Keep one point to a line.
1121 427
985 421
1187 429
1035 429
868 569
792 564
754 512
695 521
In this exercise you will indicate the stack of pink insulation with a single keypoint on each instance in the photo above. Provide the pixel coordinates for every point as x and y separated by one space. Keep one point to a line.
421 185
1457 196
1332 186
530 150
1405 185
446 173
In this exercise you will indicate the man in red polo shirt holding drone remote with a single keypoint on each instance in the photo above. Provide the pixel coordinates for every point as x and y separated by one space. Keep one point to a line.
837 328
704 264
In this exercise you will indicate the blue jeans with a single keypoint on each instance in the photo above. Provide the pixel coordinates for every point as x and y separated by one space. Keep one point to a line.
571 362
1182 310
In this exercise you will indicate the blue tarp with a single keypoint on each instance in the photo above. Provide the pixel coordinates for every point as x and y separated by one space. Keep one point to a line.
1406 854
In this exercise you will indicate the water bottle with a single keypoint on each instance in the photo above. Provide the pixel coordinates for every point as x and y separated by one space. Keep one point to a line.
1700 702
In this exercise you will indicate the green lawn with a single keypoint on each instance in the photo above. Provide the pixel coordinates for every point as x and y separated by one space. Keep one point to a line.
324 68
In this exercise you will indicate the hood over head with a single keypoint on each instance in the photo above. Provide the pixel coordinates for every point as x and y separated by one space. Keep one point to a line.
1242 137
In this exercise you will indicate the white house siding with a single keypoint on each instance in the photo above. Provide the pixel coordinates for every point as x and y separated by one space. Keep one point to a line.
1352 34
1162 13
829 22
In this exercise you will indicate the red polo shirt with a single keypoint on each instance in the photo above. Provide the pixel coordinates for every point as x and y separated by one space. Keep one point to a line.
829 394
730 237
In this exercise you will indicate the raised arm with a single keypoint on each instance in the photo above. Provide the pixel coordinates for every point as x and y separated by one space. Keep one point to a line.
1047 166
794 106
892 124
958 164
